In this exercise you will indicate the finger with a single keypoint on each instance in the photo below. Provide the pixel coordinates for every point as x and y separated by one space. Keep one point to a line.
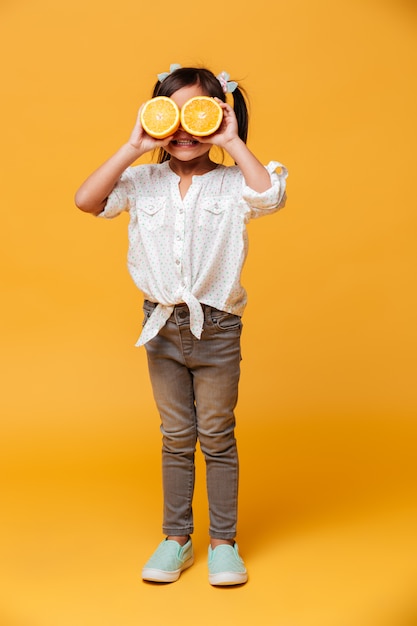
224 105
140 111
166 141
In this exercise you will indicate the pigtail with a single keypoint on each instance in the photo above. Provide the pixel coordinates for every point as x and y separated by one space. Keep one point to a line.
241 111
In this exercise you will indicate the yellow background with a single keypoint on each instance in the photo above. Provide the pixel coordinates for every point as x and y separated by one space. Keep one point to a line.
328 399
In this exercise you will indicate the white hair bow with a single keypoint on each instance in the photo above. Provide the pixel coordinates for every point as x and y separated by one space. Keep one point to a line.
172 68
228 86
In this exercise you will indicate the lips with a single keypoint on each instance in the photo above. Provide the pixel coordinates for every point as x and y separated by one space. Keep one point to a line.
184 142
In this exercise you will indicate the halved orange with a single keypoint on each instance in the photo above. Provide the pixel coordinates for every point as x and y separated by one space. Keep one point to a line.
201 116
160 117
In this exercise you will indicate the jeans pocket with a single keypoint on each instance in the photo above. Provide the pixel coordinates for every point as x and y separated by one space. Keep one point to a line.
226 321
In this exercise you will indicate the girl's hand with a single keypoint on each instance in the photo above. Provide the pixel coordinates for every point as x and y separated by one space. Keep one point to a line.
140 141
228 131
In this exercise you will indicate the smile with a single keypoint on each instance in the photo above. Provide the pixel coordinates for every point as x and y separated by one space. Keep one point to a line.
184 142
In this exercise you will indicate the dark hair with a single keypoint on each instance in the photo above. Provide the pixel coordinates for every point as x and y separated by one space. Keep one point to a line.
187 76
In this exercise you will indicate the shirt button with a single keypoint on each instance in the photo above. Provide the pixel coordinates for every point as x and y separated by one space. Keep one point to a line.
177 261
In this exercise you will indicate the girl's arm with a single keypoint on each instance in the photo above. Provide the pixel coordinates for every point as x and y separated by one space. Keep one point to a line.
92 196
255 175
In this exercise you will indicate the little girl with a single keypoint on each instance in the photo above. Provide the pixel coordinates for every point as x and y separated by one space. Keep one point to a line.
187 246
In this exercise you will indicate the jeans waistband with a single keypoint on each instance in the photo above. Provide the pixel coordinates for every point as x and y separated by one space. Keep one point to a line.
181 312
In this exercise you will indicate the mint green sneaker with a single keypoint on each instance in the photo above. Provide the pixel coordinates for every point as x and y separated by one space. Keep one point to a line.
226 567
168 561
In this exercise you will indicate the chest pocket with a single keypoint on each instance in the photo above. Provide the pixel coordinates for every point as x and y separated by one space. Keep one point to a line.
212 212
151 212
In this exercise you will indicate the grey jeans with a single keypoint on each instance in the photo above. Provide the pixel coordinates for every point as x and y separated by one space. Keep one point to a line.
195 386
